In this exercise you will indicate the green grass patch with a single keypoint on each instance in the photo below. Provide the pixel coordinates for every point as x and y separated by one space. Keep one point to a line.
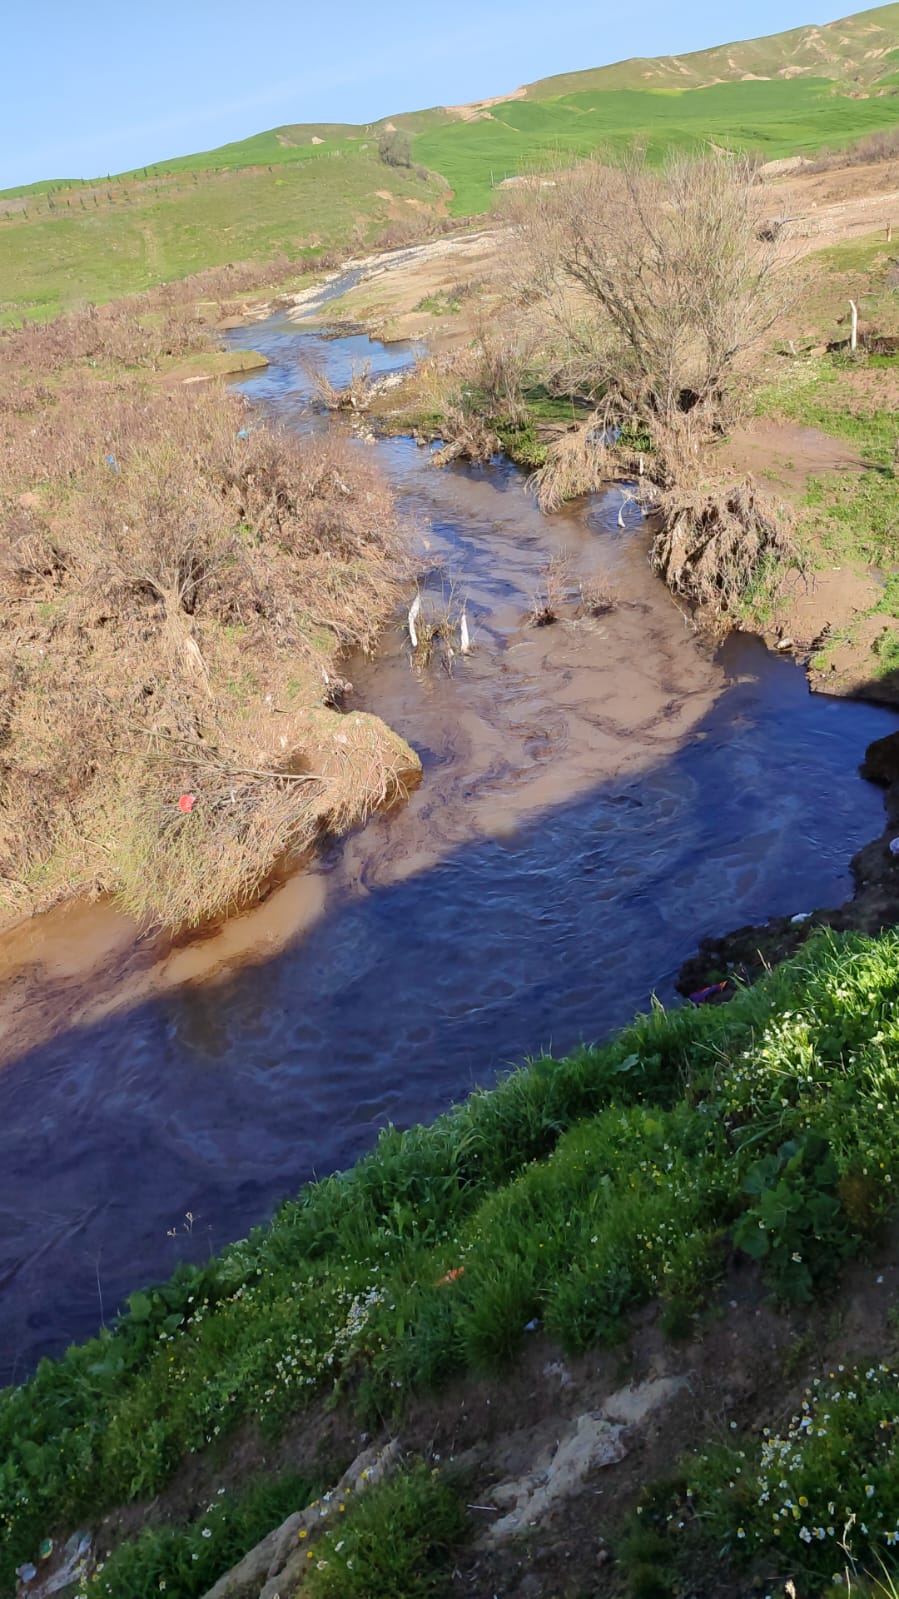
573 1192
815 1493
184 1562
851 516
152 233
395 1539
778 117
443 303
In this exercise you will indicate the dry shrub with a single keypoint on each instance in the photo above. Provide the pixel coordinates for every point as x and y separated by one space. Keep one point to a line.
675 286
498 365
880 146
715 544
556 589
438 629
417 228
659 287
244 819
171 595
479 390
577 463
116 335
403 231
596 599
354 396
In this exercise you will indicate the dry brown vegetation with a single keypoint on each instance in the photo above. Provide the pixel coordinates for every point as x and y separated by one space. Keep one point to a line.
657 286
176 580
717 544
480 388
880 146
354 396
673 284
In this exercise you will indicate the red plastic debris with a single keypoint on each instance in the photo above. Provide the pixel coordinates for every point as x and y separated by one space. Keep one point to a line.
187 802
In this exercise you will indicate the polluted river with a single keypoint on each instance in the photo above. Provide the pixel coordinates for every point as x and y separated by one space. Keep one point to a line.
597 795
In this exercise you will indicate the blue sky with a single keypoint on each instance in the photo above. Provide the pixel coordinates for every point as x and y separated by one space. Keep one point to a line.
92 86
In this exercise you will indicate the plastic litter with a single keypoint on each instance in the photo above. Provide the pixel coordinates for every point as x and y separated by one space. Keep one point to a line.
111 461
75 1558
894 846
187 802
801 916
450 1276
531 1326
703 995
243 433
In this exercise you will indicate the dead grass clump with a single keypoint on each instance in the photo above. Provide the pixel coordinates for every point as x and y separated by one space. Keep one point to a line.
354 396
438 629
578 462
596 600
466 435
557 588
717 545
880 146
499 362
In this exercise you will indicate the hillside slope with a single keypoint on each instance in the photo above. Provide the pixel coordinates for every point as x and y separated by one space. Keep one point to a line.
859 50
304 185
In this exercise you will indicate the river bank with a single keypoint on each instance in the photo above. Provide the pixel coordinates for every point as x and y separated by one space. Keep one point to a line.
179 585
592 1241
819 444
595 789
598 794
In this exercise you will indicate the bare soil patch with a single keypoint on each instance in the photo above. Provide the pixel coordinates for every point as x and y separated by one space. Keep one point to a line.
784 454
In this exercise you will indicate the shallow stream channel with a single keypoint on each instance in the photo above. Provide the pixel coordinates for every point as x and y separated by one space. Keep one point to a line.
597 795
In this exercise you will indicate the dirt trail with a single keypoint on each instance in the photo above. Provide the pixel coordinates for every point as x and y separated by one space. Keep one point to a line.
827 208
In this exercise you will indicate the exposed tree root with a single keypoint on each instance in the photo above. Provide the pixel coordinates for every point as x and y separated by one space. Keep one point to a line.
715 544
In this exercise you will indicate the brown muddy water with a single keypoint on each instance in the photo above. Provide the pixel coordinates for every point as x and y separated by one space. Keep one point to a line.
597 796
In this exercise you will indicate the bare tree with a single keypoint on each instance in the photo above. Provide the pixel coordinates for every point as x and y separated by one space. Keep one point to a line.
658 280
659 284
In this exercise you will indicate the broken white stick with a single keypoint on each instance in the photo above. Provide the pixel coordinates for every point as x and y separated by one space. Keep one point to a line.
464 638
414 612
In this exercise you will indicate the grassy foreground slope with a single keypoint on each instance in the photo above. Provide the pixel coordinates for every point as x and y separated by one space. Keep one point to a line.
574 1192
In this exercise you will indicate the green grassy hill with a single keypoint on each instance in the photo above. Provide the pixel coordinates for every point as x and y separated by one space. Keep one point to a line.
306 185
777 117
99 241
